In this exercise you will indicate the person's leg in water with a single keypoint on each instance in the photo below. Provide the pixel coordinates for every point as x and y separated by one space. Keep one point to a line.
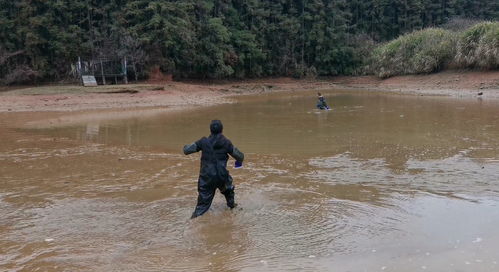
227 189
206 193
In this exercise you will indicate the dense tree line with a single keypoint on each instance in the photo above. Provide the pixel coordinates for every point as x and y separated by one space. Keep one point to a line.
41 39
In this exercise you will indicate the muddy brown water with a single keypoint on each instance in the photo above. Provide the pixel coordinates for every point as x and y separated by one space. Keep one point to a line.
379 183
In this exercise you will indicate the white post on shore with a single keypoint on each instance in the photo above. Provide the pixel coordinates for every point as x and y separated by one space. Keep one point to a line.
125 76
79 67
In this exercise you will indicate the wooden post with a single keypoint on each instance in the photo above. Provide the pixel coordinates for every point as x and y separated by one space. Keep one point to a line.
102 73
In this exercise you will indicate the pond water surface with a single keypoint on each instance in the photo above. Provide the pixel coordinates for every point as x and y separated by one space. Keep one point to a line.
379 183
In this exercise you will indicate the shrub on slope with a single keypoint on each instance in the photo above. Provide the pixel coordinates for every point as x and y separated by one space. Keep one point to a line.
478 47
422 51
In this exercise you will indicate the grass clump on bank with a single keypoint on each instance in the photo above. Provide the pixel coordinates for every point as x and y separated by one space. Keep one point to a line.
433 49
422 51
478 47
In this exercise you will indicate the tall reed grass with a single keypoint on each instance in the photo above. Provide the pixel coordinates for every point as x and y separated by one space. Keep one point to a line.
433 49
478 47
423 51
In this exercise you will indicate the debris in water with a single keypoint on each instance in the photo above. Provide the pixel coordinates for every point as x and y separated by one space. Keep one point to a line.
477 240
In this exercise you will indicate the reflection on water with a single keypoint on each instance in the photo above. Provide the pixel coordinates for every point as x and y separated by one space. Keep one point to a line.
92 130
380 183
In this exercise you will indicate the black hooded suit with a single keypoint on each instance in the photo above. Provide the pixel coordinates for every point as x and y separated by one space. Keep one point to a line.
213 173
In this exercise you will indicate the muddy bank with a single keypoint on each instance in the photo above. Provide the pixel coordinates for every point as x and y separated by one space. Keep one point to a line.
167 95
192 94
447 83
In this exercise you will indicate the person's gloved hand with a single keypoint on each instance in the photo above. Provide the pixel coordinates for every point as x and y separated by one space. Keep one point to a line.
238 164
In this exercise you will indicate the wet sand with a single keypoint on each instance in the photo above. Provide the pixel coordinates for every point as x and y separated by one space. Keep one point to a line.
380 183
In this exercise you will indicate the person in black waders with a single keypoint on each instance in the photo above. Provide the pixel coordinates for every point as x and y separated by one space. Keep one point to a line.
321 102
213 173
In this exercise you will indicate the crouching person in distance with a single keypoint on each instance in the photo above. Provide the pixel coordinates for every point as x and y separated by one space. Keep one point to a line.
213 172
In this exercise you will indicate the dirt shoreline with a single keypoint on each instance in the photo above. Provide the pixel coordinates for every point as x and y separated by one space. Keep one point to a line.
180 95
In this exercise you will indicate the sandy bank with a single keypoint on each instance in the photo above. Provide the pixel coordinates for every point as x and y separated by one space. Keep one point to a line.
448 83
191 94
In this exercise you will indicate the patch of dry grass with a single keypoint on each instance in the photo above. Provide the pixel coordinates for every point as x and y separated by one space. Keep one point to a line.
75 89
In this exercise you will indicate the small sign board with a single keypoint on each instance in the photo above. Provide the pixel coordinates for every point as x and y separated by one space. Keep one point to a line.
89 81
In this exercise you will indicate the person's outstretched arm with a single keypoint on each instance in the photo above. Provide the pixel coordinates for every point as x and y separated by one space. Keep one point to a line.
191 148
237 154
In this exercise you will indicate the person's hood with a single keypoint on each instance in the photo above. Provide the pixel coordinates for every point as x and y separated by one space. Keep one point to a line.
216 127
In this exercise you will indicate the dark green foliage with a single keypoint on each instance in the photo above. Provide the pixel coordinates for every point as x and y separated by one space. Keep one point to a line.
42 39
